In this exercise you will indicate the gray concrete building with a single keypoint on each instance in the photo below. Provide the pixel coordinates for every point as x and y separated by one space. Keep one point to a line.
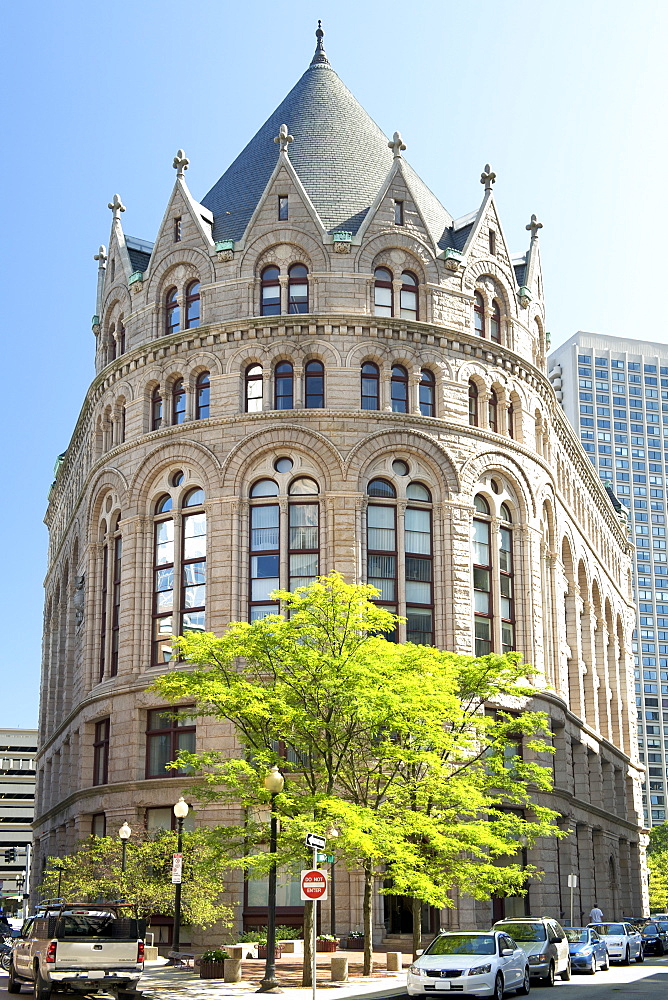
614 391
18 748
316 367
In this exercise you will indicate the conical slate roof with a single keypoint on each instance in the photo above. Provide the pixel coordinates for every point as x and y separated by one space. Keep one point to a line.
339 153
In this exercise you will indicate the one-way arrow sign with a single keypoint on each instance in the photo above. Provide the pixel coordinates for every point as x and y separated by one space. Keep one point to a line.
315 840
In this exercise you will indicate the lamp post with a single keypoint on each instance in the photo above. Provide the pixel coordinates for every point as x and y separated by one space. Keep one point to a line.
180 811
19 889
273 782
124 833
331 831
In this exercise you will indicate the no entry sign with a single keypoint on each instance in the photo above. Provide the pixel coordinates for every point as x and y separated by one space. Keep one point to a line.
314 884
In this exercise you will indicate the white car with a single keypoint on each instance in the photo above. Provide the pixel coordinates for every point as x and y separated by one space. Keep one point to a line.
481 963
624 941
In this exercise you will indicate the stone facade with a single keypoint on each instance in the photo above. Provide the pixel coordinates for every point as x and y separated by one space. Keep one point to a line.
489 427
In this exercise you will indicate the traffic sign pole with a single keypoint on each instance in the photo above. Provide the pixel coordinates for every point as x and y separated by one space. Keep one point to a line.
314 939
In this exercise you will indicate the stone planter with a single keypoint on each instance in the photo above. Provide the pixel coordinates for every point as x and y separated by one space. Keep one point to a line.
262 951
355 944
232 970
325 945
212 970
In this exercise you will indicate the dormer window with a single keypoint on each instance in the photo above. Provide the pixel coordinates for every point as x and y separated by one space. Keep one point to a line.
479 315
297 289
192 305
398 213
382 292
172 312
177 229
270 293
492 242
282 207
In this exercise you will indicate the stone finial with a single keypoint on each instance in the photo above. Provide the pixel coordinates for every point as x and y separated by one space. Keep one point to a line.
101 257
180 163
533 227
488 177
397 144
116 207
319 54
283 139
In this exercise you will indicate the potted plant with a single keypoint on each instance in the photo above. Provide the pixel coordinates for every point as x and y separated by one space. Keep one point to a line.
262 948
355 941
212 964
326 942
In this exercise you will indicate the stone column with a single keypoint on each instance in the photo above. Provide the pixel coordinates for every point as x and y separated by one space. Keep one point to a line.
589 657
586 874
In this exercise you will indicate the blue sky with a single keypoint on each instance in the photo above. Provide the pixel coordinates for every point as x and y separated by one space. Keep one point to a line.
565 100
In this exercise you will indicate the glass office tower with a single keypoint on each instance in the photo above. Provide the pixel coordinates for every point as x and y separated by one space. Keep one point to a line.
615 393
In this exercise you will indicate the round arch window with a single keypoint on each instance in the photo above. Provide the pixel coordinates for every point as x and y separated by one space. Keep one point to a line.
381 488
264 488
283 464
303 487
163 504
194 497
399 467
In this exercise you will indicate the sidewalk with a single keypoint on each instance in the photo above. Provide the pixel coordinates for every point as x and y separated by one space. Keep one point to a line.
161 982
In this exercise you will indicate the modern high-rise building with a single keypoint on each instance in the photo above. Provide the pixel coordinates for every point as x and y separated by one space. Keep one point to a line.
18 748
615 393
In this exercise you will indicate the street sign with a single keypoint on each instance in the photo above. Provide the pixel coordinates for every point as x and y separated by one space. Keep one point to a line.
572 881
315 840
177 868
314 884
324 858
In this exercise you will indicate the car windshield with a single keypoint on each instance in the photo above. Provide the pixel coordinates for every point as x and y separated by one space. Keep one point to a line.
663 924
463 944
610 928
650 929
523 931
576 935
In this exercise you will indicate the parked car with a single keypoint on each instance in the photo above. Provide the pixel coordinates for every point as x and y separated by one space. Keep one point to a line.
544 941
654 939
484 964
589 952
623 940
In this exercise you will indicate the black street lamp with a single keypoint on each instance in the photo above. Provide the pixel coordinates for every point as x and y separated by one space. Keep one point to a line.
124 833
180 811
274 783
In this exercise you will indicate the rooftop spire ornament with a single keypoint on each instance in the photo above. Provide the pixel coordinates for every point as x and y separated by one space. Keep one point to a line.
101 256
533 227
487 177
116 207
397 144
180 163
319 54
283 139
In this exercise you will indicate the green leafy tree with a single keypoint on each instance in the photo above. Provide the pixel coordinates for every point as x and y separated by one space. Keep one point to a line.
93 873
391 743
658 838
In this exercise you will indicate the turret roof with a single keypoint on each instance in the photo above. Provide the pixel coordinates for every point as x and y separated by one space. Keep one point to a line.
339 153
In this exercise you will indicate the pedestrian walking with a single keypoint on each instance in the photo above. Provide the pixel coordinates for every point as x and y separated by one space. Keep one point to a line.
595 914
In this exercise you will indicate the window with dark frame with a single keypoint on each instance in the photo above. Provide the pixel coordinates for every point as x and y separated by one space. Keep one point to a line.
163 581
298 289
156 409
427 393
202 396
479 315
506 581
104 598
282 207
177 229
178 402
398 213
303 537
314 385
370 386
283 386
493 411
495 323
101 753
121 338
168 731
382 294
264 555
492 242
253 388
408 296
270 292
511 419
193 303
116 604
121 427
159 819
98 825
482 578
399 389
473 403
172 312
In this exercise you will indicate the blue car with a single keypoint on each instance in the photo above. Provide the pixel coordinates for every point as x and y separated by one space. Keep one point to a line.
588 951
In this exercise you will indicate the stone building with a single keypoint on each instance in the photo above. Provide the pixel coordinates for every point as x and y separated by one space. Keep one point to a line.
314 368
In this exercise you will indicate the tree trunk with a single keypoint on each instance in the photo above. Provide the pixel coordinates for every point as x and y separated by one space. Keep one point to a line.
368 920
307 971
417 926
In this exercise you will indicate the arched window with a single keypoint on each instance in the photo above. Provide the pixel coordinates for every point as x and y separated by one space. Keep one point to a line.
511 419
179 573
383 292
482 577
172 312
403 577
111 345
479 315
495 323
314 385
110 600
156 409
298 545
506 582
270 292
202 396
283 386
254 389
399 389
121 338
427 393
297 289
493 583
493 412
473 403
370 386
192 305
178 402
408 296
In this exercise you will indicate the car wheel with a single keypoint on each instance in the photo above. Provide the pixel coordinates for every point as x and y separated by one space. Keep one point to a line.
548 980
627 957
525 988
498 987
41 991
14 985
566 974
640 957
5 960
594 966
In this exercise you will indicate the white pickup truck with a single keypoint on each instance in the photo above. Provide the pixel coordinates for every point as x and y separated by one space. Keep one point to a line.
79 948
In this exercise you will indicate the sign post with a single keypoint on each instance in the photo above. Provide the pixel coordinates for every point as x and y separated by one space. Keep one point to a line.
572 884
177 868
314 887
